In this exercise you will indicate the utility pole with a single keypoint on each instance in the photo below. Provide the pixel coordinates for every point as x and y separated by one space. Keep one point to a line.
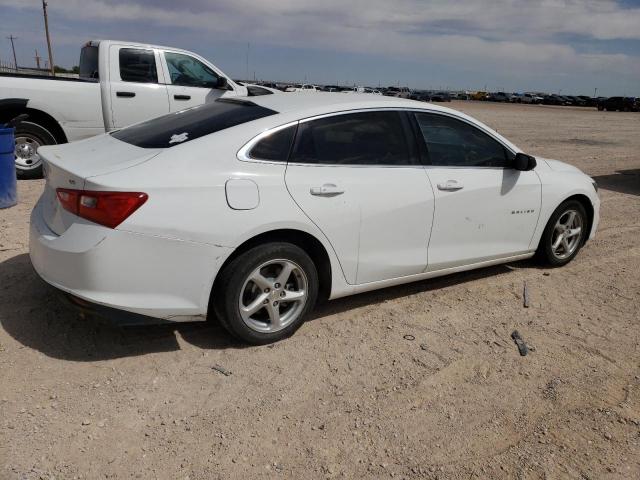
37 57
595 93
13 47
46 29
248 47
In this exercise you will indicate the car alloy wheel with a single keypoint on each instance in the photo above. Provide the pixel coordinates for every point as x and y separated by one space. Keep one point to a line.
567 234
273 296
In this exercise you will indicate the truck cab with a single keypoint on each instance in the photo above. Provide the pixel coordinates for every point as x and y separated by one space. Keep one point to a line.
119 84
140 81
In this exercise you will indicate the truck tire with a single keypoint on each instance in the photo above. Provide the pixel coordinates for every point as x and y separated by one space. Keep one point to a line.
30 136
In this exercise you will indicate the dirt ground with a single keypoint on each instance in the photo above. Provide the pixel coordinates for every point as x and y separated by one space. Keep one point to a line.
352 394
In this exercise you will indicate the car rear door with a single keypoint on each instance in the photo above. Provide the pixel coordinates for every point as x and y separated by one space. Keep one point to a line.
190 82
357 176
484 209
137 91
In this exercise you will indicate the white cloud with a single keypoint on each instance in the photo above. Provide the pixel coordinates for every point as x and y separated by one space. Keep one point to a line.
500 34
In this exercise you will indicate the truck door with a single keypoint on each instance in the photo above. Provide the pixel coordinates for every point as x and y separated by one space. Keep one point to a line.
137 94
191 82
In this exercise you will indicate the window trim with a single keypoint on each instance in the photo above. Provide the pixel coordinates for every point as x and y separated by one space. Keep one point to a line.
159 77
424 149
243 152
167 74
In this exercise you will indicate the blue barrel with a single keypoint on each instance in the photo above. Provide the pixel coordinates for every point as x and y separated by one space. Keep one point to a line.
8 183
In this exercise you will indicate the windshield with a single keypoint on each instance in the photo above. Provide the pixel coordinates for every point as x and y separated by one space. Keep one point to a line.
180 127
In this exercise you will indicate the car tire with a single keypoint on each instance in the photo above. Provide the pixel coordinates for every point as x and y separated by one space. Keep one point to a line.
255 279
560 242
29 137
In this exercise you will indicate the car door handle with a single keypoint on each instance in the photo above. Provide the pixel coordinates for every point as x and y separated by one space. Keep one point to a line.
326 190
125 94
450 185
182 97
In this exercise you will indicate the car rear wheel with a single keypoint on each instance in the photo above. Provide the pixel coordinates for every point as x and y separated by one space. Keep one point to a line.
29 137
564 234
266 292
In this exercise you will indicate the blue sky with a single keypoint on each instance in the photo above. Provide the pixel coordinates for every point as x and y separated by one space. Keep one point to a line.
571 46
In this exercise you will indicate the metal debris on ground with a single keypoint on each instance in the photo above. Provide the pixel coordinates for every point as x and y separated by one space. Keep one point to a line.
409 337
525 295
522 347
222 370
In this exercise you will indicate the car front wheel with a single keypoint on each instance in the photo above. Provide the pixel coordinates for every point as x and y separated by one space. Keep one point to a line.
265 293
564 234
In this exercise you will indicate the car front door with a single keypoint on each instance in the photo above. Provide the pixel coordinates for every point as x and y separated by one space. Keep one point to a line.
357 176
190 82
136 91
484 209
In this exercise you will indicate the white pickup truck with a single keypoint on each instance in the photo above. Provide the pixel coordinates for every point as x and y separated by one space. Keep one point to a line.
120 83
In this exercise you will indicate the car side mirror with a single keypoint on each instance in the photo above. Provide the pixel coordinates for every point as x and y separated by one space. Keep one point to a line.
223 83
524 162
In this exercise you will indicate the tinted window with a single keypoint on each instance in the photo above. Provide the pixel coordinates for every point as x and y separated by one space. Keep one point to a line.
176 128
189 72
371 138
451 142
255 91
138 66
89 63
274 147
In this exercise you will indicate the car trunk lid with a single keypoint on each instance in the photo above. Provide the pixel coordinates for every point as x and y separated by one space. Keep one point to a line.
68 166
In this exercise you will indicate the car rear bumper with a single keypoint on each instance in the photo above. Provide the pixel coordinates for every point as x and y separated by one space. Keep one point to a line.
146 275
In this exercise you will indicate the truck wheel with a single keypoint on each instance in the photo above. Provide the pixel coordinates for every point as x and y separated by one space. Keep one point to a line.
30 136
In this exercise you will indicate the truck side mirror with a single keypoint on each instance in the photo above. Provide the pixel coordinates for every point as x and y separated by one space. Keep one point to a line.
223 83
524 162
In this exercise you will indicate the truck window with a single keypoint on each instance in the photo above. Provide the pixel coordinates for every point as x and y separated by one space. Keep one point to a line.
181 127
89 63
186 71
137 65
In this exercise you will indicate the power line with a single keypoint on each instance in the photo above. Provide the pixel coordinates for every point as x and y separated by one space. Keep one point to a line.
13 47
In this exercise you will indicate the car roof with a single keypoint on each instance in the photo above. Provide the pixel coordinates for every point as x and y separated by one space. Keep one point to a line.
291 107
307 104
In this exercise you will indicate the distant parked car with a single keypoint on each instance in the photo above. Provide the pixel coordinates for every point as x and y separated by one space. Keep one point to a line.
576 101
421 96
590 101
622 104
440 97
306 87
553 100
479 96
362 90
400 92
499 97
530 98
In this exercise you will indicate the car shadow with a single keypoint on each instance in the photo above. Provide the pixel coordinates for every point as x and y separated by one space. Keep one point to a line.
623 181
33 313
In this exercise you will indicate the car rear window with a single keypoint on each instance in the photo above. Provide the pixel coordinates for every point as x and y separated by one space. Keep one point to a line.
180 127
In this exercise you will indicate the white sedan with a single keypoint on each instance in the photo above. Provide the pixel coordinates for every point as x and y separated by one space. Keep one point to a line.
250 210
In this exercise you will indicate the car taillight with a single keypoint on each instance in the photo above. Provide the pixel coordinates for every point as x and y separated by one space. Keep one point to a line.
106 208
